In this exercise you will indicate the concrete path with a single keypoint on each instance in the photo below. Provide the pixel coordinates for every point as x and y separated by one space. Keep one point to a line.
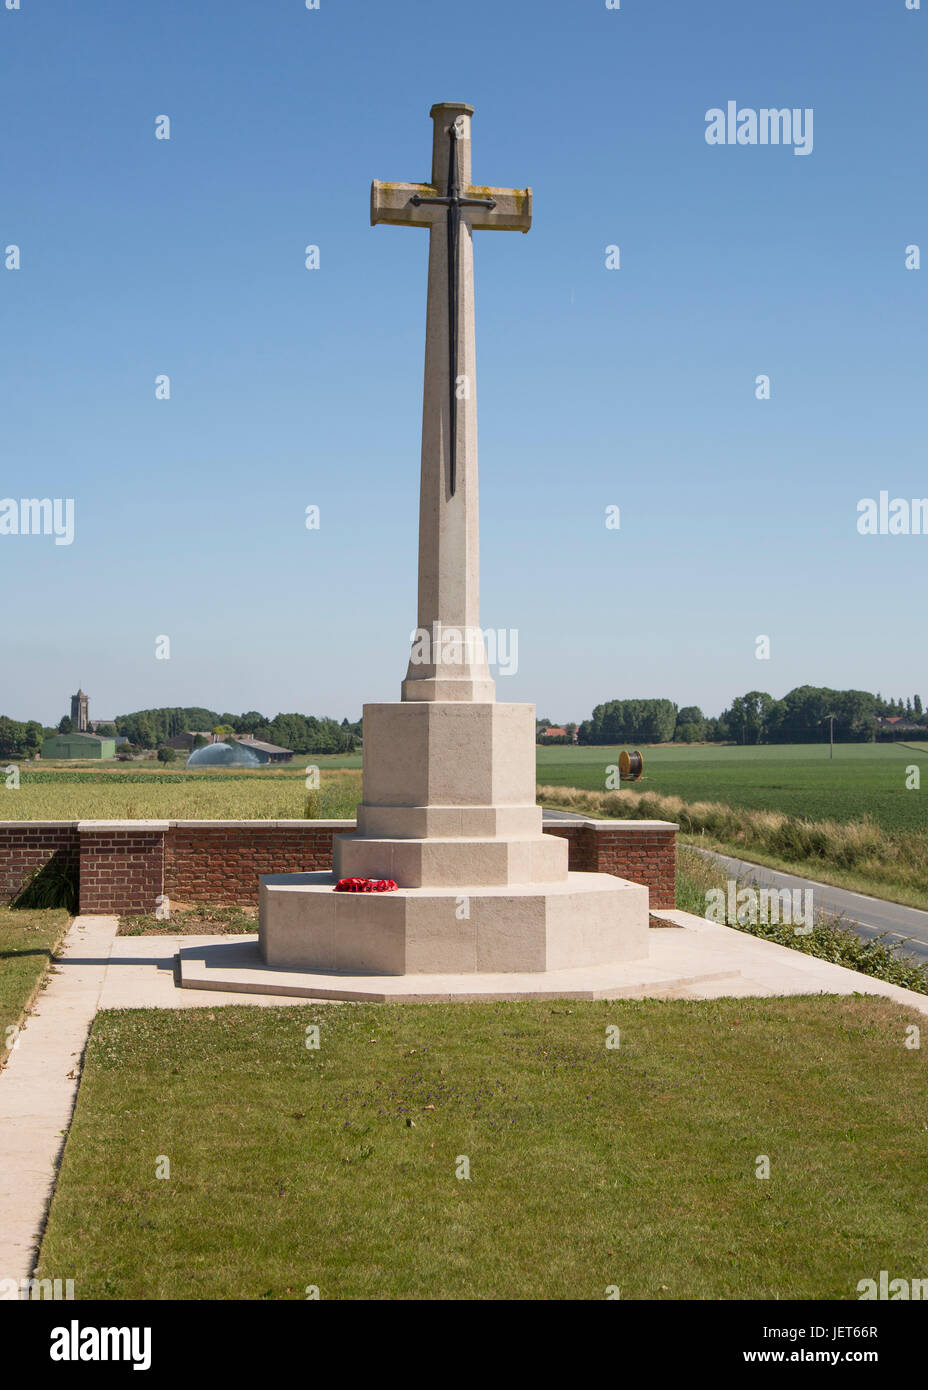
764 967
700 961
38 1087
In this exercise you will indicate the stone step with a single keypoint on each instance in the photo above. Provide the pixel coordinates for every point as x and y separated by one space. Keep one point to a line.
442 862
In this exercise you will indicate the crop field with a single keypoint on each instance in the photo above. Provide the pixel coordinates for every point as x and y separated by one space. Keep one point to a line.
863 779
129 791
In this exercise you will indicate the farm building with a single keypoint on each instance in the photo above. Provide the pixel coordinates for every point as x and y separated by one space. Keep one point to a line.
266 752
78 746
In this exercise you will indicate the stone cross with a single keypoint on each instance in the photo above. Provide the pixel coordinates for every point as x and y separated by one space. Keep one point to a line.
448 660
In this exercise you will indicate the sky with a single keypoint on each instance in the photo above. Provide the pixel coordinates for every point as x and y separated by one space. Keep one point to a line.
633 387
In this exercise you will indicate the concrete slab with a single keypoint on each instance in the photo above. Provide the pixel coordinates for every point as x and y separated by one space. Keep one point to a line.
699 961
236 963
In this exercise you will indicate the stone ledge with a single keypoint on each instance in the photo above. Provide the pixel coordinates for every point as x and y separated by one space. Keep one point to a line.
617 824
275 824
235 965
126 826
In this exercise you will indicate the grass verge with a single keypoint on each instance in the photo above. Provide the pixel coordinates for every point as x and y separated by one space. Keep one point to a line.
28 941
858 855
634 1166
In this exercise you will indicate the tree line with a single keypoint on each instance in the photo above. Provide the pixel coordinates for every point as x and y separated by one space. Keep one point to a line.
20 739
302 733
803 715
151 728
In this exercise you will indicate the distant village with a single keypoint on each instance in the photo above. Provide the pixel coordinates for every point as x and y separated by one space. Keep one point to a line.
200 735
804 715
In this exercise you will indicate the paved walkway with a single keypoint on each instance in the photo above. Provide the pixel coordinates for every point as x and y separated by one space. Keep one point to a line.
97 969
38 1087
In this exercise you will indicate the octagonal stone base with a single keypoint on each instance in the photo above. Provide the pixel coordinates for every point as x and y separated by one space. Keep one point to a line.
586 919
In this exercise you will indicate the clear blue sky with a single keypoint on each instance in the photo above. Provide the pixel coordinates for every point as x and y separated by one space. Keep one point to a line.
293 387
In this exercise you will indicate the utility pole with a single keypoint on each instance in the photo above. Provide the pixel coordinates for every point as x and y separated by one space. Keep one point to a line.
831 733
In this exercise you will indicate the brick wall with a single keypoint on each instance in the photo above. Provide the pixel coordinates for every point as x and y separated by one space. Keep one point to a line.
124 866
643 851
221 863
121 870
26 845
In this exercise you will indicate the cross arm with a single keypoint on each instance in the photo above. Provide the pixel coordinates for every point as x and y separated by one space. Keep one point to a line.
392 203
512 211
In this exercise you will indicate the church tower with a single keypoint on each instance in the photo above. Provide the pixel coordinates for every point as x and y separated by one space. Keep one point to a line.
80 705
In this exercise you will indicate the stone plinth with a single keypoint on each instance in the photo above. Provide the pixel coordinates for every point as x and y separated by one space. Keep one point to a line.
448 754
449 798
585 919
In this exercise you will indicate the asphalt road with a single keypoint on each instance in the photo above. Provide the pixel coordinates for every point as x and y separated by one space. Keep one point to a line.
867 916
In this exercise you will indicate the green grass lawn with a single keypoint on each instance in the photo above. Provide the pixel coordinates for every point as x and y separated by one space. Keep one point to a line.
864 779
632 1167
27 941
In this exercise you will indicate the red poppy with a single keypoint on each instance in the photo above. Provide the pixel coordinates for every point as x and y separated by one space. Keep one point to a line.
365 885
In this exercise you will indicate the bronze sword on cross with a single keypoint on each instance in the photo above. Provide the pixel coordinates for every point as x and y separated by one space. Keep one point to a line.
506 209
453 202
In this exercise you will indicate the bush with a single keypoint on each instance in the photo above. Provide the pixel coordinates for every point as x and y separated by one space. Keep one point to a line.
166 755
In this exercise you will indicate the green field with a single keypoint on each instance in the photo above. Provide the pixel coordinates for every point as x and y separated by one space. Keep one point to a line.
140 791
590 1168
864 779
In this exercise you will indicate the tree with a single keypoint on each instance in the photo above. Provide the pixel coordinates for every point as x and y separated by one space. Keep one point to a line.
917 706
166 754
144 734
640 721
692 719
749 715
65 726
